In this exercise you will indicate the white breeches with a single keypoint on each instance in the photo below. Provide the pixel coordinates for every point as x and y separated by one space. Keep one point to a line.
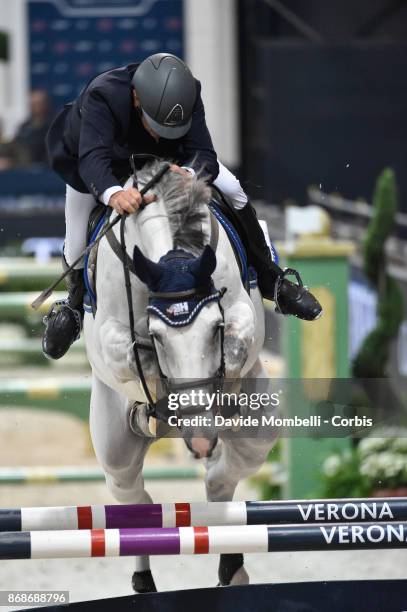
230 186
77 210
79 205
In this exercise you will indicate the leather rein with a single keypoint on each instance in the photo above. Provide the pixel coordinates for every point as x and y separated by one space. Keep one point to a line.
119 248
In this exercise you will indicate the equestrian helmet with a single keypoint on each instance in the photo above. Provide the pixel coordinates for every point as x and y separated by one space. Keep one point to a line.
167 92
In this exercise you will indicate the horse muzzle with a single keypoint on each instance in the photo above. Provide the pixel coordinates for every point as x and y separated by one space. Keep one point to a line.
201 448
199 435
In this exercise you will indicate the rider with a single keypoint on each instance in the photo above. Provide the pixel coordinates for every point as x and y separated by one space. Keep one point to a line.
152 107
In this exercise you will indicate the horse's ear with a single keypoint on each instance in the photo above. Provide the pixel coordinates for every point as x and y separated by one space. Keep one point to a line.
204 266
147 271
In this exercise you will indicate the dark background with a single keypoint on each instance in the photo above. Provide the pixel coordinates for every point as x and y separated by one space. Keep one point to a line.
323 95
325 107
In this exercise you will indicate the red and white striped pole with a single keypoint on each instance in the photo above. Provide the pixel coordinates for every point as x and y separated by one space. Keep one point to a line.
203 513
200 540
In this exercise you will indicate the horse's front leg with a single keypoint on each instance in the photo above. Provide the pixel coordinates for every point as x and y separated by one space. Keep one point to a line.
121 454
235 458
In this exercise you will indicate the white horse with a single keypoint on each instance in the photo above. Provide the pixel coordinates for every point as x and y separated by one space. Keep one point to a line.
177 223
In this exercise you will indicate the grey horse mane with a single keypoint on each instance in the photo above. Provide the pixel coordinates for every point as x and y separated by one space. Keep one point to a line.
186 206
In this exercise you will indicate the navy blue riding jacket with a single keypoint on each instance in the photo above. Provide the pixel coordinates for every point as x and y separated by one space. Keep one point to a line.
91 139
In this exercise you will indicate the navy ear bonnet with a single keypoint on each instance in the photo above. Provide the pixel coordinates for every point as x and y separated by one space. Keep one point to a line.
176 272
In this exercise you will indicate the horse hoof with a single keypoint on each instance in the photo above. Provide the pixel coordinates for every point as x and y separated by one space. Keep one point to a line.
143 582
240 577
231 570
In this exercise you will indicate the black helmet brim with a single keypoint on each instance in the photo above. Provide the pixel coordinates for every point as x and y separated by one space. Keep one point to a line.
171 132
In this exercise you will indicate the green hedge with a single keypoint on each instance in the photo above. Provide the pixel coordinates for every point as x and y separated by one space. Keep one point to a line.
373 356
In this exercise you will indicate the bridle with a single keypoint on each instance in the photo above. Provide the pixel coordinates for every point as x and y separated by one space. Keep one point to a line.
158 408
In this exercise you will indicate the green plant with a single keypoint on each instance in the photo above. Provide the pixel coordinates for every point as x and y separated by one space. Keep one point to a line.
371 361
378 462
269 486
341 476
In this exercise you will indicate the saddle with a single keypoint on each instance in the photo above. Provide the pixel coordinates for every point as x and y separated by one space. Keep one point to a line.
219 206
98 217
225 213
97 214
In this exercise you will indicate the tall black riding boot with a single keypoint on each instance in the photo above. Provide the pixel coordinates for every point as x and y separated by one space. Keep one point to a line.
290 298
63 323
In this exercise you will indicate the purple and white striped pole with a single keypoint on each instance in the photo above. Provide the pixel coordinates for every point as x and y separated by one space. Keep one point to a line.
203 513
200 540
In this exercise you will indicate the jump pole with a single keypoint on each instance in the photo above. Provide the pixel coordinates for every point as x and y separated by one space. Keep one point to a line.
196 514
200 540
69 474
